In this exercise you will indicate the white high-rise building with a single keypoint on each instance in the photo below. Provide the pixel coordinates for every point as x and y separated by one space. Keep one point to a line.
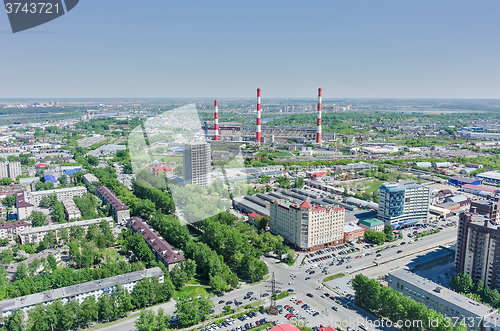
197 163
307 227
4 169
14 169
403 203
10 169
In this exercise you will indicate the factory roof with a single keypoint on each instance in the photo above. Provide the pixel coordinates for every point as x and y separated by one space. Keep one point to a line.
490 175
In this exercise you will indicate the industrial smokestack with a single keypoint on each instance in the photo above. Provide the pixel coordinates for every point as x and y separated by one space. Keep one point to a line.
216 121
257 131
318 120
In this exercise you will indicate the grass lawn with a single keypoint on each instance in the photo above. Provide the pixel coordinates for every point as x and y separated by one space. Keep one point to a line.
373 186
331 277
189 290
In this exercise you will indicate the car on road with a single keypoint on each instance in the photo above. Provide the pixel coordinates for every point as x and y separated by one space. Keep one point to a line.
307 278
221 301
309 295
315 314
400 251
362 326
349 266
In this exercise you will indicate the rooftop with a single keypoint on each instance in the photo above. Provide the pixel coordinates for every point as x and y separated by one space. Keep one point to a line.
111 198
442 292
69 291
371 222
155 241
53 227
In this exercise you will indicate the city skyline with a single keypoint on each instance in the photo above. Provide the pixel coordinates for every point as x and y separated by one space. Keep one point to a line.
224 49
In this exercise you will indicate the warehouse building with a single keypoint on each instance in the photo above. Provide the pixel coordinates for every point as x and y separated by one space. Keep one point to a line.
460 181
491 177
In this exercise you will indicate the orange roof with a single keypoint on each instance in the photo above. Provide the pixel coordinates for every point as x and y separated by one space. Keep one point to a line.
284 327
306 204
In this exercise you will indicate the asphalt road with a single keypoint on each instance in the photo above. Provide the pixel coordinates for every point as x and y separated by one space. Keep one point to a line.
347 316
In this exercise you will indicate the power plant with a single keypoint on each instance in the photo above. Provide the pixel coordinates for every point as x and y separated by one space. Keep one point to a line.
267 133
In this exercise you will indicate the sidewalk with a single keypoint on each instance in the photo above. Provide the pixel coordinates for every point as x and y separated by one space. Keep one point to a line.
298 261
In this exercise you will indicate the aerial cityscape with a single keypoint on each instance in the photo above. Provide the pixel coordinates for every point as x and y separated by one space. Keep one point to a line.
283 166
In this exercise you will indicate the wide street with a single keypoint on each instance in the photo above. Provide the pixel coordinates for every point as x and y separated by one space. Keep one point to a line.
302 287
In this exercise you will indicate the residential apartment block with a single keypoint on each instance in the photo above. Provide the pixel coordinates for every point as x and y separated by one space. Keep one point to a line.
12 230
160 247
35 235
120 211
478 249
10 169
305 226
439 298
79 292
403 203
196 157
490 208
89 178
70 209
61 194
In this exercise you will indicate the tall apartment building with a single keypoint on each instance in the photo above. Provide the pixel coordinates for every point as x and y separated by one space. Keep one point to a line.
10 169
490 208
305 226
196 157
119 210
403 203
478 249
79 292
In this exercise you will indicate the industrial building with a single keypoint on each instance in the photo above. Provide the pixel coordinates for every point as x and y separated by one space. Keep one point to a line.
439 298
403 203
197 163
305 226
459 181
492 177
79 292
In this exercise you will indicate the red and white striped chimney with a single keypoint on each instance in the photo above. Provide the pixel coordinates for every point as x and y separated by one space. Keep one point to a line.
257 131
216 121
318 120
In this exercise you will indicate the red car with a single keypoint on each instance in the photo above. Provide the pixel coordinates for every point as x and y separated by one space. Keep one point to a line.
300 301
287 306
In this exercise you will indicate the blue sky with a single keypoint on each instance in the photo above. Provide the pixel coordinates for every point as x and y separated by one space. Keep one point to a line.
226 49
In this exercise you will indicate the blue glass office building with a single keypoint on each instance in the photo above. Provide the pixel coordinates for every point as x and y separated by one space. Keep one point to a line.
403 203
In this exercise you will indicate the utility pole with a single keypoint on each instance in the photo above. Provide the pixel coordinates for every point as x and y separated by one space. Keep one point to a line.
273 309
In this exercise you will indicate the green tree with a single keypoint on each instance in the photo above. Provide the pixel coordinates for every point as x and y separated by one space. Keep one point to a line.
105 308
45 202
146 321
299 182
6 256
5 181
16 321
22 271
461 283
51 260
10 200
37 218
388 230
179 277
